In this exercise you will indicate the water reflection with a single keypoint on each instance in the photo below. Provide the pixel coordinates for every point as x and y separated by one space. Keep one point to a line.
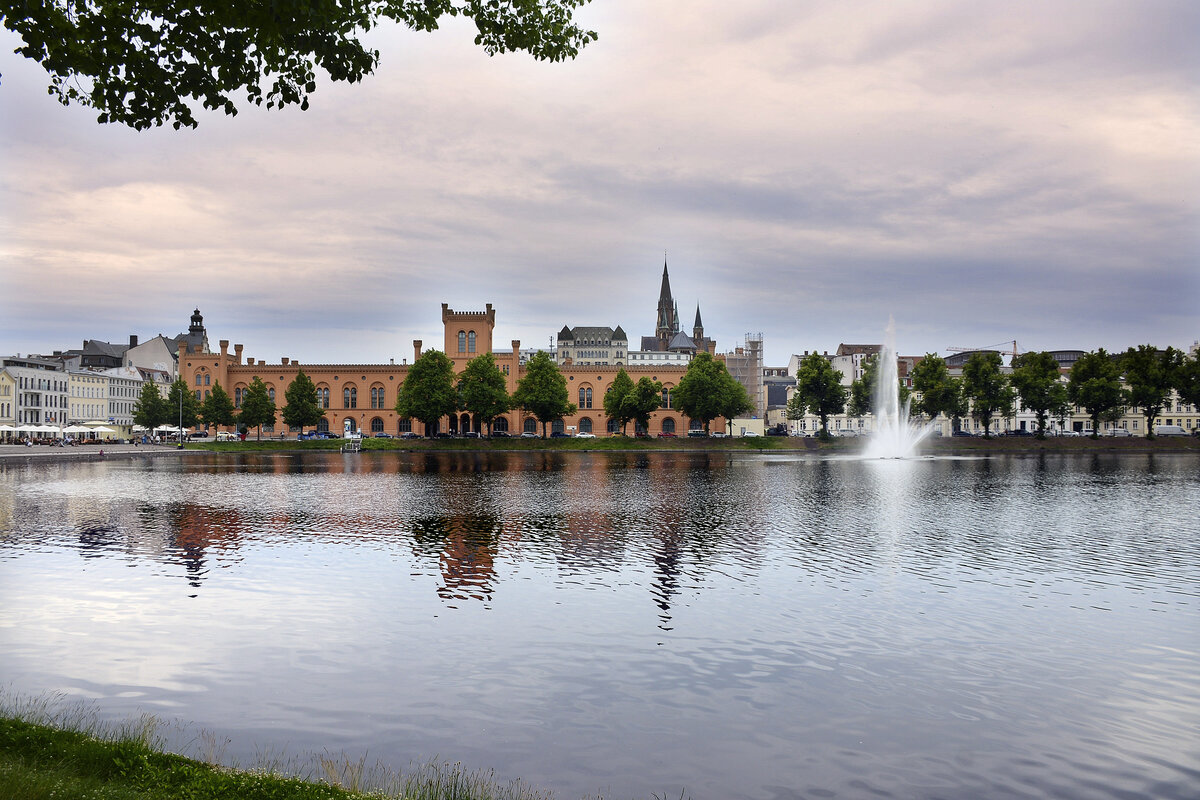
619 621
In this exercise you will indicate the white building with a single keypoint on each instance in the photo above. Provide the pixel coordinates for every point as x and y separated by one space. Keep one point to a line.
41 390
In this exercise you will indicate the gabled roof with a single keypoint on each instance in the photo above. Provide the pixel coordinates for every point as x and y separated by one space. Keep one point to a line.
565 334
681 341
619 335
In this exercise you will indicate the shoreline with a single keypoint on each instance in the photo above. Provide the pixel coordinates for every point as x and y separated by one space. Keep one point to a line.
1008 445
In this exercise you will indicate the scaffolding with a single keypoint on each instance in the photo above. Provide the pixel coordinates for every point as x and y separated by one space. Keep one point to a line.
745 364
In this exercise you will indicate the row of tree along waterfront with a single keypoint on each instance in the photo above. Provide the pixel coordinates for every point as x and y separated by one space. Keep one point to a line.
431 391
1099 383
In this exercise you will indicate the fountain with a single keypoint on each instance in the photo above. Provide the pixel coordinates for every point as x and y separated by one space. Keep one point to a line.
894 435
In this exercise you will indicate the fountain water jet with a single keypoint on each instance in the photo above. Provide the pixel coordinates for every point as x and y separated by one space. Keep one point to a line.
894 435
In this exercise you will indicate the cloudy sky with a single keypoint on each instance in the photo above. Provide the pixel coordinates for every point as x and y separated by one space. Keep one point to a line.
983 172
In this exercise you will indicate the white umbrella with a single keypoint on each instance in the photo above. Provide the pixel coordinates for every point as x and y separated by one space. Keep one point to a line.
102 430
76 429
27 428
139 428
46 429
166 428
7 428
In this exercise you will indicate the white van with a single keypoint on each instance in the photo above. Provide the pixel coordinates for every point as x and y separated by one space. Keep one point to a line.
1169 430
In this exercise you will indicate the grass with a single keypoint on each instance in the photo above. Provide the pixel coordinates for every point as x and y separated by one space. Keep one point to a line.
54 751
618 443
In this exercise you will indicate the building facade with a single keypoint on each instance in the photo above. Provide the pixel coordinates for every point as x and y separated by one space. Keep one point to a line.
362 397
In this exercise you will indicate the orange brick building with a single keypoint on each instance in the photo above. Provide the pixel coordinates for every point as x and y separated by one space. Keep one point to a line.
363 396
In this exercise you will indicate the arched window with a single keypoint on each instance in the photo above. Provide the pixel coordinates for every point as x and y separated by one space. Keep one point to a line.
197 378
613 426
666 398
207 379
198 391
471 342
207 393
322 397
585 425
695 425
556 426
237 396
271 394
348 424
585 396
376 425
530 425
350 397
668 425
404 425
323 425
462 341
377 396
500 425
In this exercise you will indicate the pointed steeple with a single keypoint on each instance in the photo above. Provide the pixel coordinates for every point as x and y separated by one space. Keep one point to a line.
667 318
698 326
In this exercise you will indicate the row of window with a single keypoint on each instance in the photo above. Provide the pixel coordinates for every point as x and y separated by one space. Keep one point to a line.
42 384
466 341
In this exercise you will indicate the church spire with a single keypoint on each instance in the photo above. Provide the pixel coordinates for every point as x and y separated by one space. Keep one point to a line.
698 327
668 317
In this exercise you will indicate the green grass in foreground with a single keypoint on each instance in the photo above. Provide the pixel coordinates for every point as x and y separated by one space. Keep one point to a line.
71 756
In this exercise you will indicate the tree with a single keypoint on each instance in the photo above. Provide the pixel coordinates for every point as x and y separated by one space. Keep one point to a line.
643 400
1095 385
483 390
428 391
543 391
1187 379
258 408
144 64
1149 375
217 408
819 390
735 401
700 393
987 389
1038 383
939 392
614 399
301 409
862 390
151 408
182 406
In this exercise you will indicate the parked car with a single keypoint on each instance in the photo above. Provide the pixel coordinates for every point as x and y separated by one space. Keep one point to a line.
226 436
698 434
586 435
410 435
961 432
666 435
327 435
558 435
717 434
1169 430
1119 432
471 435
382 435
528 435
750 434
501 435
1019 432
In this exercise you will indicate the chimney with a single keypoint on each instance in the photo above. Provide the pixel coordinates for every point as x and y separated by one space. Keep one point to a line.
417 344
133 340
284 360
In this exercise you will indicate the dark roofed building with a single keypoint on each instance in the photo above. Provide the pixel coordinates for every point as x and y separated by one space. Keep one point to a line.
592 345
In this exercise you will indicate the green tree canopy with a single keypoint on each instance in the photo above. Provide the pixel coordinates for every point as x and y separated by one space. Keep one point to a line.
939 392
1149 376
614 399
1187 379
735 401
182 405
258 408
862 390
643 400
301 409
1037 379
543 391
818 390
483 390
217 408
702 391
428 392
1095 385
987 389
144 64
151 408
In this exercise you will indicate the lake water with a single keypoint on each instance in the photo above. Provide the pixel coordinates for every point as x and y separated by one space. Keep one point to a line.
739 627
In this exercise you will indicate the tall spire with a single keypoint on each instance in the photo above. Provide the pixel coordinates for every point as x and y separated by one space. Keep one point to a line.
668 319
698 327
